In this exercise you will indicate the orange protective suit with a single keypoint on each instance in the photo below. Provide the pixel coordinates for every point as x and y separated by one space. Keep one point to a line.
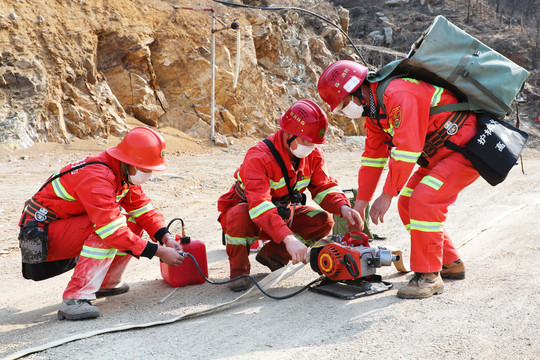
252 215
399 140
88 203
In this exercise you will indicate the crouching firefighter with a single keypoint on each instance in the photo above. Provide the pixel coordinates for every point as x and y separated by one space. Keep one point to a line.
267 202
76 221
402 130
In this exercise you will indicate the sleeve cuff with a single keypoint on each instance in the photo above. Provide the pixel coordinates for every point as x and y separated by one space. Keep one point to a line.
150 250
158 236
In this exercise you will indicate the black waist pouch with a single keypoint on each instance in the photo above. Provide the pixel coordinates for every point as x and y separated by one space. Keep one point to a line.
49 269
494 150
33 243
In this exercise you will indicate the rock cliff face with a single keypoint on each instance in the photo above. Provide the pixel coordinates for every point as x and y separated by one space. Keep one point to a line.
82 68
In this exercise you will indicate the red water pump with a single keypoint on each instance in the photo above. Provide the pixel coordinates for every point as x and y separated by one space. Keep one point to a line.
348 258
186 273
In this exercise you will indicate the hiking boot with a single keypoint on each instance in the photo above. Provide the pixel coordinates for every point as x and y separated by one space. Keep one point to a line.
421 286
240 284
77 309
273 264
454 270
102 292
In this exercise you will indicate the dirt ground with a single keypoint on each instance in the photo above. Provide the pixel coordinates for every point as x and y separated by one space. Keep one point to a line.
492 314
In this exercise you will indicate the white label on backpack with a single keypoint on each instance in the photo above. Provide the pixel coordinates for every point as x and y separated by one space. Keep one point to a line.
351 84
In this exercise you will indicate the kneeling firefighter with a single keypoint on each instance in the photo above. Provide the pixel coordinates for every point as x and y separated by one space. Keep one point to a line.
76 220
266 200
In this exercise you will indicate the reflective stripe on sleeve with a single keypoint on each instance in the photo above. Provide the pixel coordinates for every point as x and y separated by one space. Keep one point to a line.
320 196
247 241
121 196
407 192
97 253
261 208
436 95
374 162
408 228
432 182
111 227
138 212
60 191
426 226
405 156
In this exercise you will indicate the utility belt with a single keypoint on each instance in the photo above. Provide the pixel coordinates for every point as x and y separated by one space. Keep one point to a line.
436 139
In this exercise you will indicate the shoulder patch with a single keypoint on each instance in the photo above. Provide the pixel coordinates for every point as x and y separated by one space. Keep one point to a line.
394 118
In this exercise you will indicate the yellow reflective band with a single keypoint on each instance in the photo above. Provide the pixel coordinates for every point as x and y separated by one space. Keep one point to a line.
436 96
276 185
247 241
111 227
405 156
240 181
302 184
390 131
261 208
97 253
408 228
120 253
314 212
407 192
60 191
374 162
131 219
426 226
121 196
414 81
320 196
138 212
432 182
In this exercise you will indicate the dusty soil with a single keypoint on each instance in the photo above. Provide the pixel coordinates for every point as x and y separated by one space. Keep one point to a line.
491 314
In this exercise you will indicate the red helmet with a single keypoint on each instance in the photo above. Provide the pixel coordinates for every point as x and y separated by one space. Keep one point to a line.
339 80
306 120
141 147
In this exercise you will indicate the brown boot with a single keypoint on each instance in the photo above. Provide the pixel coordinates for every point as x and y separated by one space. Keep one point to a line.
421 286
273 264
240 284
454 270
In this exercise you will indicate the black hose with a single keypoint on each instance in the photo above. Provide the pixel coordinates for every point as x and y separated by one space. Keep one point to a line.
301 10
251 278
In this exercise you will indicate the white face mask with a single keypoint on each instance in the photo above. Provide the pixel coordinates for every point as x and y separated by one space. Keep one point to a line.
302 151
139 177
352 110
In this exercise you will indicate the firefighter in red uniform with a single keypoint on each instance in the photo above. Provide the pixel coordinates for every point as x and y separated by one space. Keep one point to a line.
79 212
261 205
398 137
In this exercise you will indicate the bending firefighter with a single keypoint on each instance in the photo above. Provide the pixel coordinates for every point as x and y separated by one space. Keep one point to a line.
398 136
76 220
266 200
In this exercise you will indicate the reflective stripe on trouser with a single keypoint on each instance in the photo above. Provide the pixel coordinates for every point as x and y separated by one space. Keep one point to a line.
424 210
98 264
309 223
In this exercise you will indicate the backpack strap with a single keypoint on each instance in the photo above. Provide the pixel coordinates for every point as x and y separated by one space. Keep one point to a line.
52 178
281 164
438 138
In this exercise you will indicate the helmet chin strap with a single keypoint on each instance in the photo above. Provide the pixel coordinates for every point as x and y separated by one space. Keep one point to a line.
358 93
289 142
